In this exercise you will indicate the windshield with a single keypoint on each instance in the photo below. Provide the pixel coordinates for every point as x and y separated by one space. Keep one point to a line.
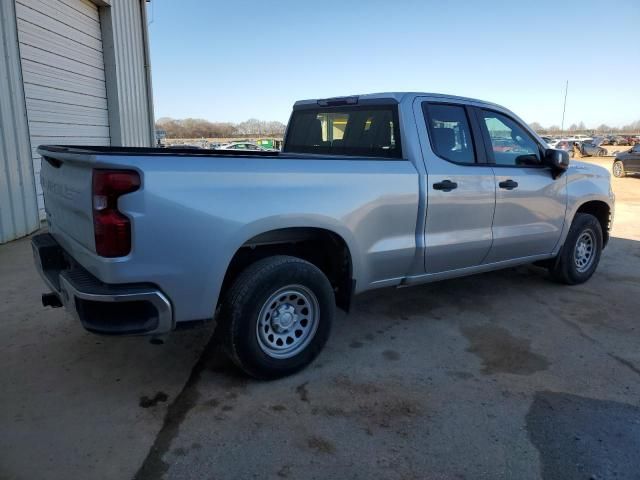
360 131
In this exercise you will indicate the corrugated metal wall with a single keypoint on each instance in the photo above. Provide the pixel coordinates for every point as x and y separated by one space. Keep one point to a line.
18 207
129 37
63 74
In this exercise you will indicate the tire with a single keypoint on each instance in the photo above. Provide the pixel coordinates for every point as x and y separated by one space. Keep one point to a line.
618 169
574 264
275 301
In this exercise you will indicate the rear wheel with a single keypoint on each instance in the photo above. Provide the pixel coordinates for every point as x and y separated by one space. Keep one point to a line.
277 316
618 169
580 254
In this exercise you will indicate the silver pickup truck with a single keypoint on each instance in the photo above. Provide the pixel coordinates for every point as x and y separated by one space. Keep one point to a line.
370 191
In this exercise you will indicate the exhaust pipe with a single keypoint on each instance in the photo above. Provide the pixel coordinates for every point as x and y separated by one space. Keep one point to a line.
51 300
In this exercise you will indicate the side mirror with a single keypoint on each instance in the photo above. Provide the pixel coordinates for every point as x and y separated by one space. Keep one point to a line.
557 160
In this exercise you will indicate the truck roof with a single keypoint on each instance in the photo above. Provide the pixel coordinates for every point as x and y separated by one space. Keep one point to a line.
394 97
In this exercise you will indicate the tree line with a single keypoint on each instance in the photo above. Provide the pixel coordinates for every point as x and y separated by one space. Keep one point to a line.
633 127
200 128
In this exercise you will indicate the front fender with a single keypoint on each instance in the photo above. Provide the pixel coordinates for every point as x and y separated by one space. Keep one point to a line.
585 183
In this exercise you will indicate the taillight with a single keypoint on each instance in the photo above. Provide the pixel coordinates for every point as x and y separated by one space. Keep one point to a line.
112 229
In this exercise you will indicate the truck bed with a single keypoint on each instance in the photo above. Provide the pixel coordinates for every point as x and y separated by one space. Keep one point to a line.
196 208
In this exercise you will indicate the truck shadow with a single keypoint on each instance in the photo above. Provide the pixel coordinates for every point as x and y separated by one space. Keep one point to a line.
579 437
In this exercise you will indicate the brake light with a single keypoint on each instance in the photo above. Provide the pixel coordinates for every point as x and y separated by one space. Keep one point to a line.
112 229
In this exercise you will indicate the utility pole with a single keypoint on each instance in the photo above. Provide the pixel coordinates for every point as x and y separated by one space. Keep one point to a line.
564 107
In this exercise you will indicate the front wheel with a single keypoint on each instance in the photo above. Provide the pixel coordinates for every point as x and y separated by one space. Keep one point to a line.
618 169
580 254
277 316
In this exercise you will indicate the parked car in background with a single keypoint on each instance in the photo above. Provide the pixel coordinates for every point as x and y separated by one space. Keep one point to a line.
566 145
621 141
243 146
592 149
184 146
627 162
270 144
503 144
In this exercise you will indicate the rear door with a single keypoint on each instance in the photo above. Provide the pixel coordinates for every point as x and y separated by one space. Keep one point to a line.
530 203
460 187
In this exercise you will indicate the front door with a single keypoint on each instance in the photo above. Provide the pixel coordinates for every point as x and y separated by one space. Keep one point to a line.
459 187
530 203
632 160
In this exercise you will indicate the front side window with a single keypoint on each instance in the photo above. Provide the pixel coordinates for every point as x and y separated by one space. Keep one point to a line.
449 132
359 131
511 144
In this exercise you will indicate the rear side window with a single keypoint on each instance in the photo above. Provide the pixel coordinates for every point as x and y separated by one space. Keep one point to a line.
449 132
358 131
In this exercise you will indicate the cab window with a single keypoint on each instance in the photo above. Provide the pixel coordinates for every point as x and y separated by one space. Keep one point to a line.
449 132
345 130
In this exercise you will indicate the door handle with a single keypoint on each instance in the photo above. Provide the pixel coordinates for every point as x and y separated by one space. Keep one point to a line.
508 184
445 185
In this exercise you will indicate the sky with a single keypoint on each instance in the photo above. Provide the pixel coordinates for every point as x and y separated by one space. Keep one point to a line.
234 60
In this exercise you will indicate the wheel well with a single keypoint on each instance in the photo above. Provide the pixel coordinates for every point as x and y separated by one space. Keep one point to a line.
602 212
323 248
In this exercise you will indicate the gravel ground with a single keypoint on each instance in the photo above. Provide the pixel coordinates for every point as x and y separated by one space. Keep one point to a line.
501 375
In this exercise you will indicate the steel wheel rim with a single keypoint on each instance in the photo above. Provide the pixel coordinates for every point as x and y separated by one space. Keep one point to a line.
617 169
288 321
584 251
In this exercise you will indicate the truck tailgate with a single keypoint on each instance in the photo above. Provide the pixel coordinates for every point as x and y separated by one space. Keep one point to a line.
66 183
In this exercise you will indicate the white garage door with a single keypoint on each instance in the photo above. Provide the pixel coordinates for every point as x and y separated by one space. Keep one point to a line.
63 74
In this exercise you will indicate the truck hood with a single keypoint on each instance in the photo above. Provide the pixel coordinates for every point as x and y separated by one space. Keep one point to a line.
586 180
585 169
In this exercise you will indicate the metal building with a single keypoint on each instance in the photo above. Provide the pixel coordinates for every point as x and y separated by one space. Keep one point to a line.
71 72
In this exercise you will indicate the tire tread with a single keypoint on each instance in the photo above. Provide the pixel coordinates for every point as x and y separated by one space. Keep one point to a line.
562 269
237 298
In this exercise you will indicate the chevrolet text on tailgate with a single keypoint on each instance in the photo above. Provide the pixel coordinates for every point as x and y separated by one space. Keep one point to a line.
370 191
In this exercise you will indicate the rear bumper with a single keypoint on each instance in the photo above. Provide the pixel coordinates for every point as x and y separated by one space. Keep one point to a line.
131 309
